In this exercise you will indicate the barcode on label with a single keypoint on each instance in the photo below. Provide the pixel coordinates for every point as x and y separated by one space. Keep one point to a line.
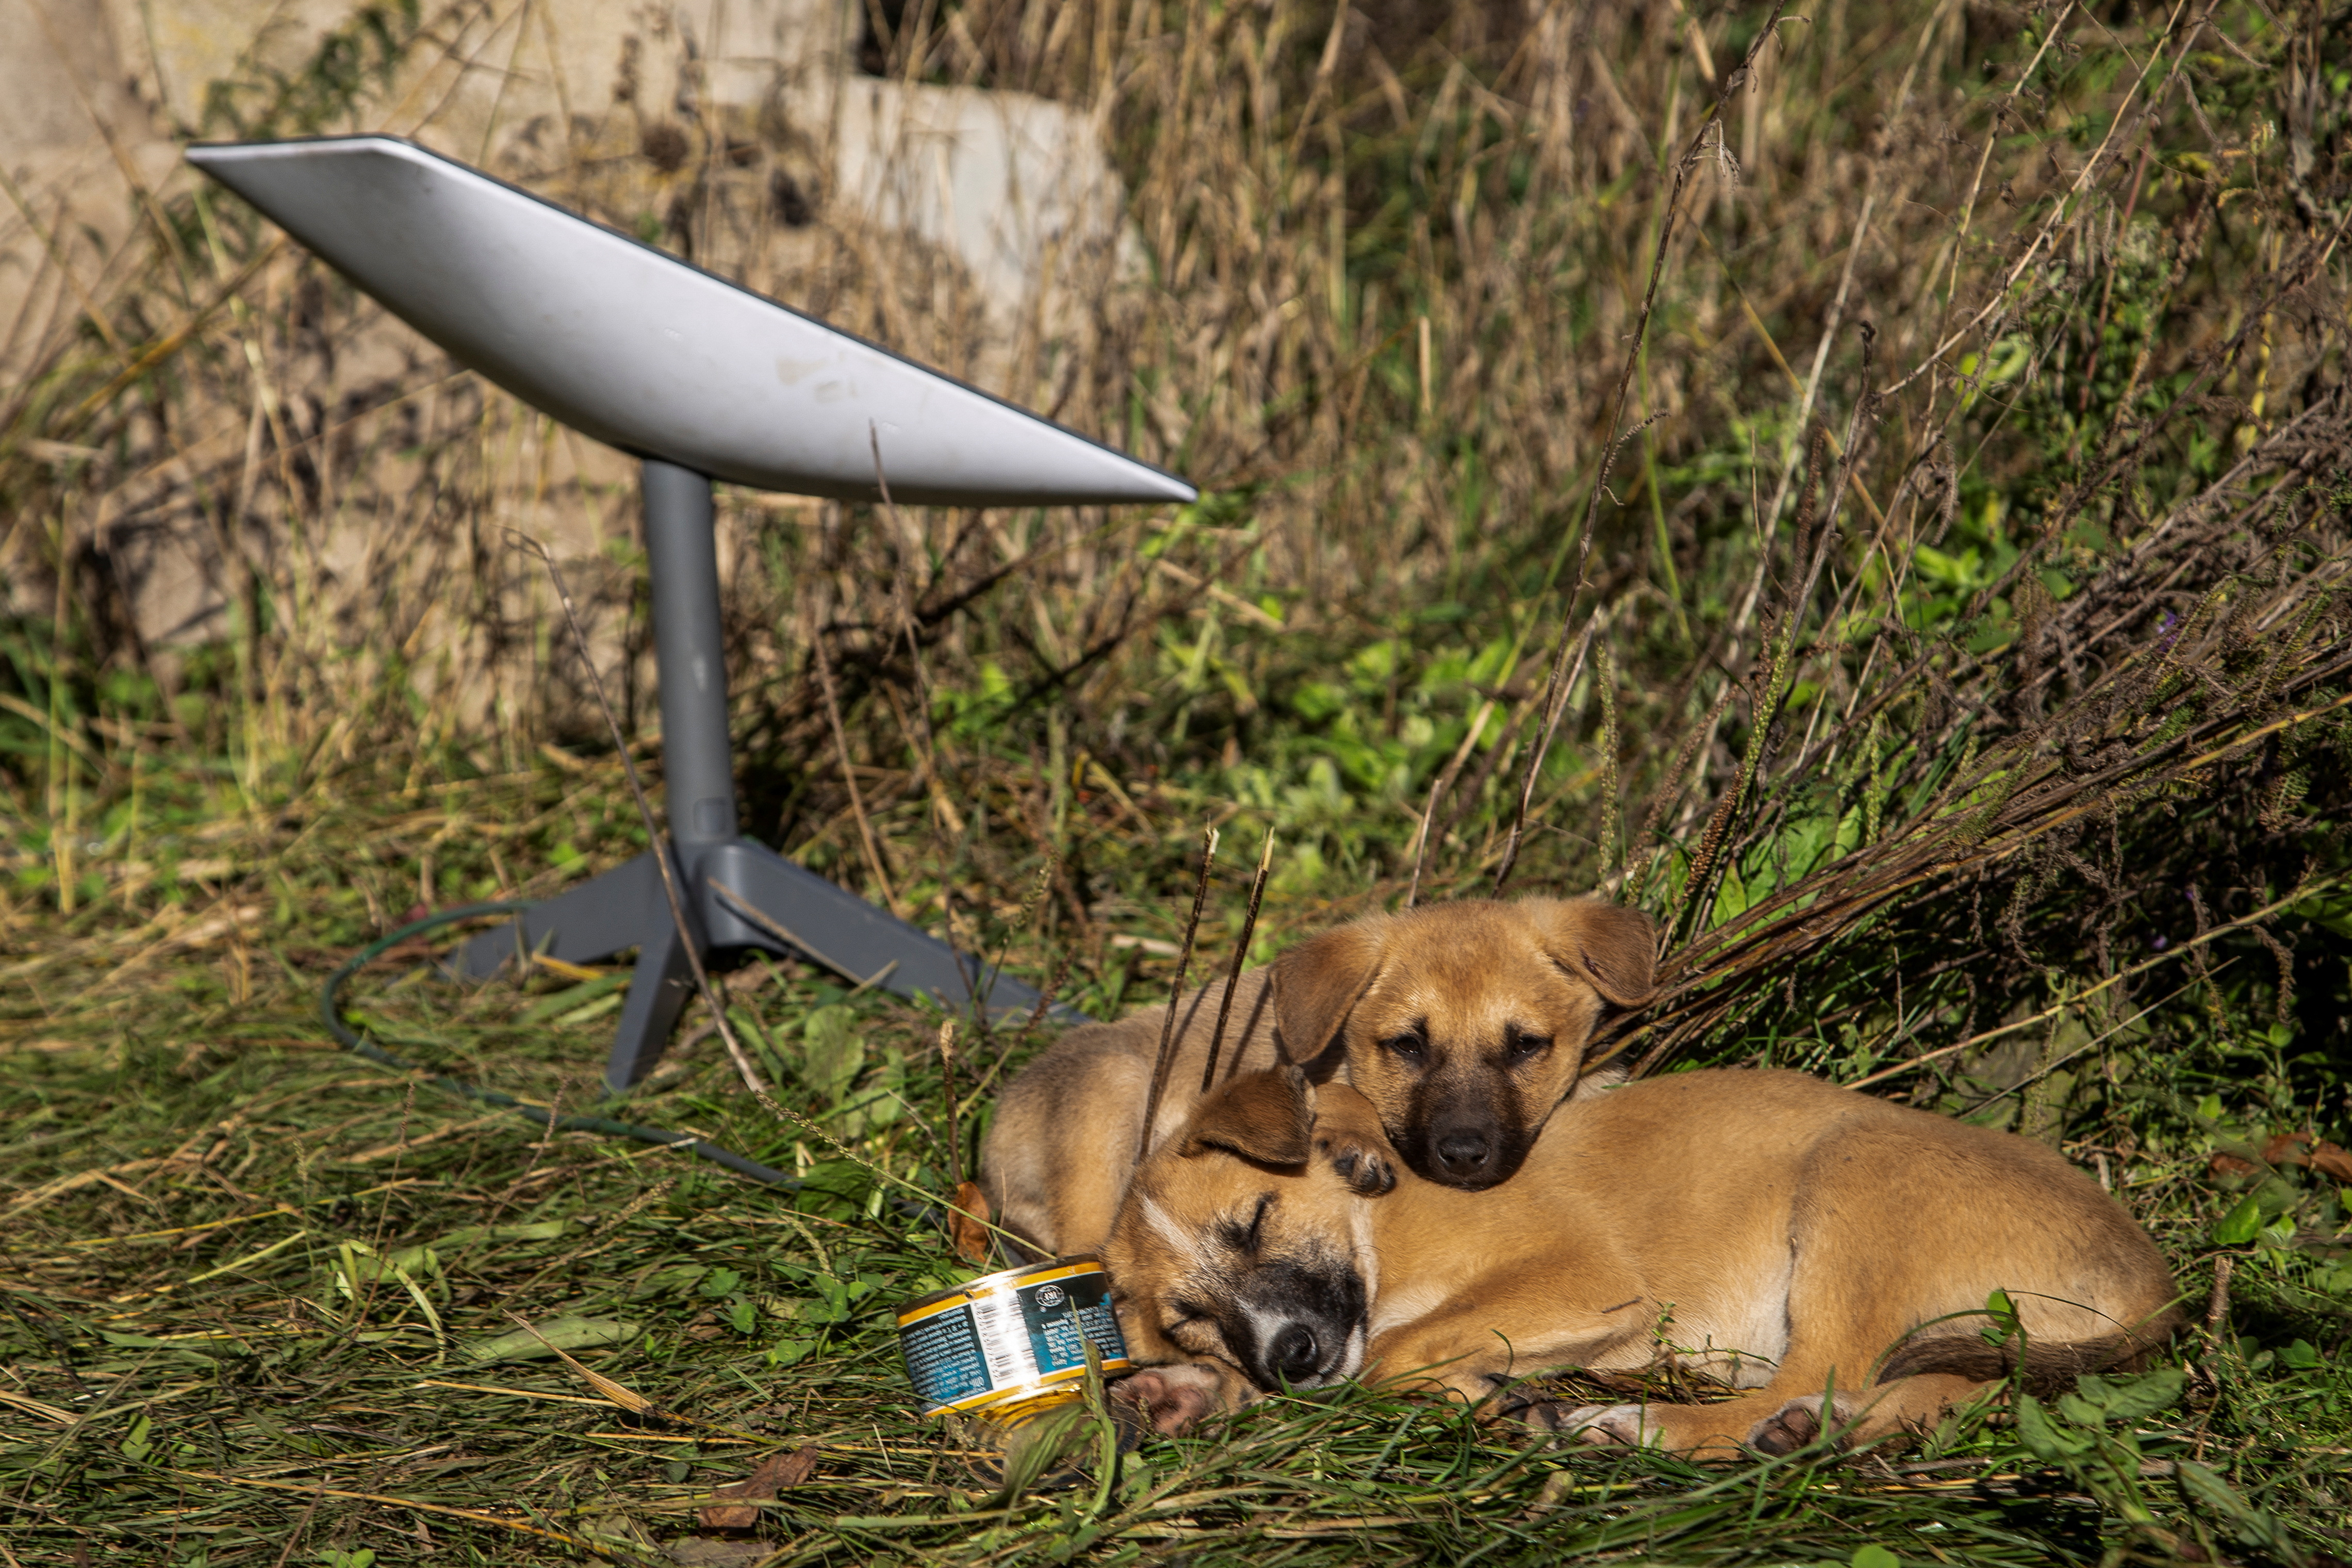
1004 1340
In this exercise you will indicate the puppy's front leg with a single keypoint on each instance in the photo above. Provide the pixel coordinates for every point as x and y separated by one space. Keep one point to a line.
1495 1332
1350 1139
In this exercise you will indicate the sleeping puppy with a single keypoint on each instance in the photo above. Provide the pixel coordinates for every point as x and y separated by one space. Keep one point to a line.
1827 1255
1464 1024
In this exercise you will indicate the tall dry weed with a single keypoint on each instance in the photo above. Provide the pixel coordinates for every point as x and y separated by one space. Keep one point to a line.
2067 283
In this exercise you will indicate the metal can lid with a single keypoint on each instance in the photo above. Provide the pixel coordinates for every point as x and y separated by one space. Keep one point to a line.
1002 1280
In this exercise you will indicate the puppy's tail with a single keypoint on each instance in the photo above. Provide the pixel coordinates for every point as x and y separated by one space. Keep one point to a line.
2048 1369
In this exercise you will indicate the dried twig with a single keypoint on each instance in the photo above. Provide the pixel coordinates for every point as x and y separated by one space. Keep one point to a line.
1241 957
1176 992
1556 684
849 775
654 834
948 1076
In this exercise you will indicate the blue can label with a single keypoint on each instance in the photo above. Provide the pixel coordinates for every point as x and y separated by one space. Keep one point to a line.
996 1337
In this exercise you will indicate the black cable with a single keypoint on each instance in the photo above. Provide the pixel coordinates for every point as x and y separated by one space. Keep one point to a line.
359 1045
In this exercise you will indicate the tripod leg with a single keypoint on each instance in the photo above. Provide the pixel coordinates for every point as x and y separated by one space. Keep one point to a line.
607 914
840 930
658 992
624 909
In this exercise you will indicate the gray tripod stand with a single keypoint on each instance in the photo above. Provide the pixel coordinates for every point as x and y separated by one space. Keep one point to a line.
725 881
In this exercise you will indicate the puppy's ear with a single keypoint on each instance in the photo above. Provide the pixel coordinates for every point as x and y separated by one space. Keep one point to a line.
1613 948
1317 985
1265 1116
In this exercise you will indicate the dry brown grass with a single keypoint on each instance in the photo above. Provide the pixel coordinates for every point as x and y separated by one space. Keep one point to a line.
1313 203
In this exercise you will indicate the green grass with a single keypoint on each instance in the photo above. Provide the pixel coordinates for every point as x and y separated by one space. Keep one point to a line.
2003 768
209 1364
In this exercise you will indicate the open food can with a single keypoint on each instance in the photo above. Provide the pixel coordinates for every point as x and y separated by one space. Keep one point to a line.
1011 1344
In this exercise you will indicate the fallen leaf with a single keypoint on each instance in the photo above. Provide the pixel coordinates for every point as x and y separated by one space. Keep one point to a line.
616 1529
835 1052
776 1472
968 1223
2333 1161
2286 1149
620 1394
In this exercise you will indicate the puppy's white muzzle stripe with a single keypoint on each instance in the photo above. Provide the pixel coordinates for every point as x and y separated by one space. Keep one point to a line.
1180 1240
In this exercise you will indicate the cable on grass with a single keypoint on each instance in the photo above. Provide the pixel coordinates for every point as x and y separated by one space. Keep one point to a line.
664 851
360 1045
547 1118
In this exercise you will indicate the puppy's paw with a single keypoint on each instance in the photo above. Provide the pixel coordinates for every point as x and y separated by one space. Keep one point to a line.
1801 1422
1592 1423
1368 1168
1166 1400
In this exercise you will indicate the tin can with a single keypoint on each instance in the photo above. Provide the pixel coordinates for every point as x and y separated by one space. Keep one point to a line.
1010 1344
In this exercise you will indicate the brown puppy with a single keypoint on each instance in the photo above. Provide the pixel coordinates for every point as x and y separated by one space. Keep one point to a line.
1802 1243
1463 1023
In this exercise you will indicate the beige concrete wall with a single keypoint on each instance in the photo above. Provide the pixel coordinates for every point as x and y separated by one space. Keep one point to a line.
517 61
974 230
92 91
74 138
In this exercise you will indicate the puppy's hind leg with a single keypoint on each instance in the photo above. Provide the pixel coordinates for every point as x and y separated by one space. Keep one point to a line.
1856 1419
1898 1227
1861 1278
1790 1413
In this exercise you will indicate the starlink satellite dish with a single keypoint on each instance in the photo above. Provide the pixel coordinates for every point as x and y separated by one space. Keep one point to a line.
701 380
638 348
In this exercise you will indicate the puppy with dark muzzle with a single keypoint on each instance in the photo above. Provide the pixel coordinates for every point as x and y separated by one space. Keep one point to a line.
1257 1284
1827 1256
1463 1025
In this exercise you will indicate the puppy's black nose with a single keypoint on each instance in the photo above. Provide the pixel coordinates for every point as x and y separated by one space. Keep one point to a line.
1292 1353
1462 1152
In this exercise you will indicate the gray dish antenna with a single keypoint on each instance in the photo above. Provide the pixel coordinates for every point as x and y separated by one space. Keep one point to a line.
700 378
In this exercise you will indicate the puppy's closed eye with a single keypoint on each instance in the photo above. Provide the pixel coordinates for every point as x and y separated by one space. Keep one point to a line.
1237 1237
1192 1326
